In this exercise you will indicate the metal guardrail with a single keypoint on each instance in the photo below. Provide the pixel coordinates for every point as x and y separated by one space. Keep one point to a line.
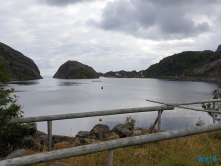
107 145
89 114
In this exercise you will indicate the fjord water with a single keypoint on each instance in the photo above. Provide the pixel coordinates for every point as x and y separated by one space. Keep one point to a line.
51 96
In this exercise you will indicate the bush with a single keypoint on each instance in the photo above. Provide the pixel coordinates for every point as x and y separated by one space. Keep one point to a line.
130 121
9 133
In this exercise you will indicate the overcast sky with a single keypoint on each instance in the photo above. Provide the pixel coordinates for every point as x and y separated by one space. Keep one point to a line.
108 35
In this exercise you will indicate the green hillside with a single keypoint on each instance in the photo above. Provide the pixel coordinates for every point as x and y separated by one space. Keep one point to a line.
189 63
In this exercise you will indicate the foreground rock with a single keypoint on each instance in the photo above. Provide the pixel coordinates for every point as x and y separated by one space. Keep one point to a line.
38 141
99 130
75 70
16 153
18 66
122 130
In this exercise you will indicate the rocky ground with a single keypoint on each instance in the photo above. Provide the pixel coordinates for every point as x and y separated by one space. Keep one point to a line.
38 140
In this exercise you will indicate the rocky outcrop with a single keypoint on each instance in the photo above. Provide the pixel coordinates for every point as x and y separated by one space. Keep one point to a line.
18 66
75 70
218 49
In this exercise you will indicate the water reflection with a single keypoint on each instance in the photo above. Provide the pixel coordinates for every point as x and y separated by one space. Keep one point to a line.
25 82
69 83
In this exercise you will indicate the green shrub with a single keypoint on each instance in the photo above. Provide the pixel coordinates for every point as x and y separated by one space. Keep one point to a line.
9 133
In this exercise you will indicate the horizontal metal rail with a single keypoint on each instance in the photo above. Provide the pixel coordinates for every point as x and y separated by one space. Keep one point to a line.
107 145
178 106
89 114
195 102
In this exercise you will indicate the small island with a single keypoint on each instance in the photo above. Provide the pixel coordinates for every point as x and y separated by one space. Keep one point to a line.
75 70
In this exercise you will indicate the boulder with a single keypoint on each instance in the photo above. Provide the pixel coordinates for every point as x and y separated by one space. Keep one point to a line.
111 136
59 138
83 134
15 154
122 130
18 66
99 130
136 132
30 143
75 70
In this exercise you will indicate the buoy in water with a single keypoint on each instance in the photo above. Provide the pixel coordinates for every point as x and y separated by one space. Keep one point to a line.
100 119
102 87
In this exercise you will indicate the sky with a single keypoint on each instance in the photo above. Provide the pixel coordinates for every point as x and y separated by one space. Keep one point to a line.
108 35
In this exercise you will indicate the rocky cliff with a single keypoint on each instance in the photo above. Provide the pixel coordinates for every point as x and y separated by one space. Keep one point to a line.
75 70
189 63
18 66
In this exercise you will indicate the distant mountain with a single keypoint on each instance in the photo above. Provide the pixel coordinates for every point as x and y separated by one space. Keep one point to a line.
189 63
18 66
75 70
218 49
124 74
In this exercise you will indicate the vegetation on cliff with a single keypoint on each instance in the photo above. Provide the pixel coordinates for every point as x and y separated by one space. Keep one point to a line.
75 70
189 63
18 66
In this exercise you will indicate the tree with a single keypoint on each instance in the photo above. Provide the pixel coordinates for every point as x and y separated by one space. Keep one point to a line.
9 133
207 106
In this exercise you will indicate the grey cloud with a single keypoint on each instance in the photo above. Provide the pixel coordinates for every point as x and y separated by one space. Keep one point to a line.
62 2
163 19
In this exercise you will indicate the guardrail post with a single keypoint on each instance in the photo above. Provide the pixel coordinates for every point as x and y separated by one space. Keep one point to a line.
49 134
110 157
159 121
214 121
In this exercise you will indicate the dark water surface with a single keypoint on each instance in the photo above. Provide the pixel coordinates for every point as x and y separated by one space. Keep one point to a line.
51 96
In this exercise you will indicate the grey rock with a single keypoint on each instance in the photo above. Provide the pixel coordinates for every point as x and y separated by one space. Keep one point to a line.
83 134
111 136
122 130
16 153
99 130
75 70
136 132
60 138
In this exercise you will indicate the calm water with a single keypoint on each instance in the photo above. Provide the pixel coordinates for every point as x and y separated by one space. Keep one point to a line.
50 96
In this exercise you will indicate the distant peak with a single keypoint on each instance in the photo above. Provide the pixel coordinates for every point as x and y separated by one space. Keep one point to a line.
219 48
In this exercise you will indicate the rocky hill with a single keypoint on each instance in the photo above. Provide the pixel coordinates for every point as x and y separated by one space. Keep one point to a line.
75 70
218 49
18 66
189 63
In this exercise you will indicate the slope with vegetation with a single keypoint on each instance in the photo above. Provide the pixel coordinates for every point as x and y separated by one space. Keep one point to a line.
189 63
18 66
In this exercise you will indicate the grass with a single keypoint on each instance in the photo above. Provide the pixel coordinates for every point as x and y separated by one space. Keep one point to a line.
181 151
